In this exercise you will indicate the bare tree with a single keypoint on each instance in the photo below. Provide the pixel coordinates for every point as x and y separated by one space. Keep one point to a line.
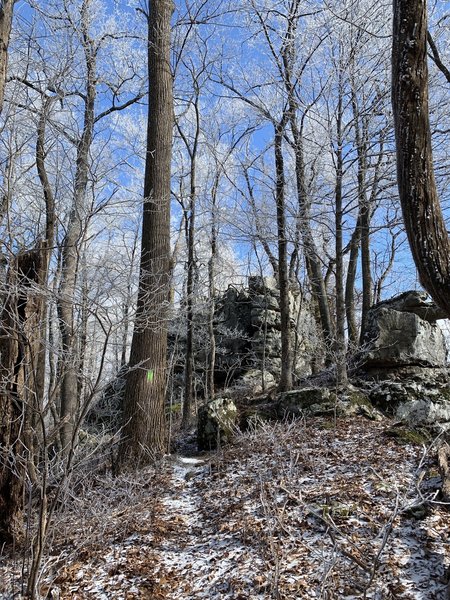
192 146
144 425
73 238
422 213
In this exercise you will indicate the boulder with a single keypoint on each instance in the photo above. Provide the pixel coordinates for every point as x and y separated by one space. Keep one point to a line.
415 302
402 332
306 400
325 401
418 399
430 412
252 382
216 423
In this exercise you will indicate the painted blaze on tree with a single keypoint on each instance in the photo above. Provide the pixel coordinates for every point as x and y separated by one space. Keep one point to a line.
144 426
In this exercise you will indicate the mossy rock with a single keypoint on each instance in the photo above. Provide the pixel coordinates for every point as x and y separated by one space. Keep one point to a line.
312 400
358 398
217 423
403 435
334 510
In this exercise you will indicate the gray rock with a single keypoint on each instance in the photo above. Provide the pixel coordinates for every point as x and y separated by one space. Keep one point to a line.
261 285
397 337
216 423
419 399
426 412
415 302
249 335
306 400
252 381
325 401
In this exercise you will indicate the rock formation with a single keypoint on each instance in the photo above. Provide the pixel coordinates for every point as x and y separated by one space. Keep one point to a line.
402 332
216 423
248 331
404 361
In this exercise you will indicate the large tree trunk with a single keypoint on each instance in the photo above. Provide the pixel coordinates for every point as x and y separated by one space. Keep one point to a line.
144 426
422 214
19 348
11 419
6 15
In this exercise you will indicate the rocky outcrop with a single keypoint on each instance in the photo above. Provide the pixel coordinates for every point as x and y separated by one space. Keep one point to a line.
249 330
402 332
325 401
419 397
254 382
404 361
217 423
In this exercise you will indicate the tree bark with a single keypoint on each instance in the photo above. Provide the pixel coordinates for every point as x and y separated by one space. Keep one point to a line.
144 433
46 250
364 217
11 419
212 291
422 213
19 346
6 16
350 309
283 271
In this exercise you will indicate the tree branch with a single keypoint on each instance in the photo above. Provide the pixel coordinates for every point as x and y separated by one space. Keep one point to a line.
119 107
435 56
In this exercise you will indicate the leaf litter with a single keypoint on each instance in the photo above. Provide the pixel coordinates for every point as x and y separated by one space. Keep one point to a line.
307 509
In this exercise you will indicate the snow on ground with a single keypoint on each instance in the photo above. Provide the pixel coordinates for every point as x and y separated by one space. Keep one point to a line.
290 511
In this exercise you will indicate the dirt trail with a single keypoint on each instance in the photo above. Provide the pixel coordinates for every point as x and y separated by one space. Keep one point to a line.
199 557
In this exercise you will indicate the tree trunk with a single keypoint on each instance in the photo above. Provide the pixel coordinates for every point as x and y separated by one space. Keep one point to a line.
350 309
6 16
366 268
71 248
363 224
19 346
191 264
46 250
189 366
283 272
340 343
144 433
11 419
422 213
212 289
313 263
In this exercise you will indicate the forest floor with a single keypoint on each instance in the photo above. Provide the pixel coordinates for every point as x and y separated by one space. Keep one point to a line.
308 509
